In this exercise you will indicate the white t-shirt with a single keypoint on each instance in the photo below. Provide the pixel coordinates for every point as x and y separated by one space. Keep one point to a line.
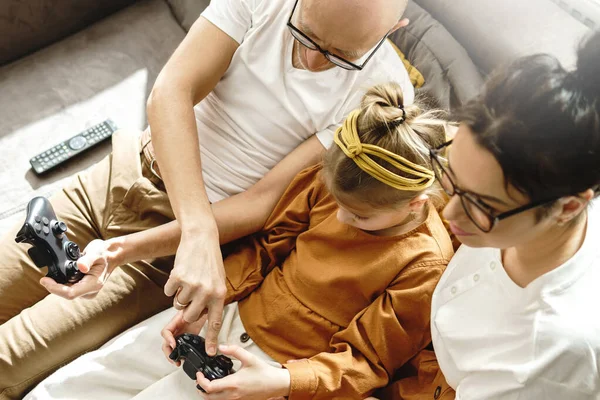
496 340
263 107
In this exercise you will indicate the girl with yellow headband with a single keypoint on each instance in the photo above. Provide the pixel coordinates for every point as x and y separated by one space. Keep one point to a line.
340 279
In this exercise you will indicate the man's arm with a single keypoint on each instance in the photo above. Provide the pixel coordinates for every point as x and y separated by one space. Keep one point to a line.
189 76
197 280
236 216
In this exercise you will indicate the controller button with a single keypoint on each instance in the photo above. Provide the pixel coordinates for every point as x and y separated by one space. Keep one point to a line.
72 250
186 337
37 227
244 337
196 341
38 218
45 220
46 230
59 228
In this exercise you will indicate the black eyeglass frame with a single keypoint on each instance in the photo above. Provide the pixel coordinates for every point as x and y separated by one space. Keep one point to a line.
473 198
326 53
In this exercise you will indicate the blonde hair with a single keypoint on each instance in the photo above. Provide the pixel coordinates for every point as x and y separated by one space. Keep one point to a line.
407 131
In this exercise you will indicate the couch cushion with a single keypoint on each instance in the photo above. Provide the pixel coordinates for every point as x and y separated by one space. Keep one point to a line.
104 71
28 25
416 78
451 78
187 11
496 32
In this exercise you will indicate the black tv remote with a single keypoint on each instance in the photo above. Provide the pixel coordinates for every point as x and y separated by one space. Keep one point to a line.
73 146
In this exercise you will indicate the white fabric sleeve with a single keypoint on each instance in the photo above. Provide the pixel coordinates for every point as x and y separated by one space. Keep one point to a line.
326 135
234 17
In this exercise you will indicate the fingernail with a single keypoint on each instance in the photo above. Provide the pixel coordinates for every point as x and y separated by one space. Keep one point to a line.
222 347
212 350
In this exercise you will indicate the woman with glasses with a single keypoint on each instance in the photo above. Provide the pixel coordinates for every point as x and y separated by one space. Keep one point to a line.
515 315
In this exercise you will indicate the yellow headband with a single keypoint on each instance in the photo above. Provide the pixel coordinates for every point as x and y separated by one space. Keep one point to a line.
346 137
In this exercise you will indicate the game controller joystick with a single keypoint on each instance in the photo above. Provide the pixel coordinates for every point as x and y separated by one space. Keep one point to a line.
191 349
51 247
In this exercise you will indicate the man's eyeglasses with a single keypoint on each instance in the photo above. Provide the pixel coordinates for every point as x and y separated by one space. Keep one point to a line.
334 59
482 215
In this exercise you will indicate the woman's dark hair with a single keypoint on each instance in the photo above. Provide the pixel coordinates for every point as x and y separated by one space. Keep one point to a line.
542 123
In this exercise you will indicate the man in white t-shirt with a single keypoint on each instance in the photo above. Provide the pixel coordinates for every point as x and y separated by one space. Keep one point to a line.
255 90
293 71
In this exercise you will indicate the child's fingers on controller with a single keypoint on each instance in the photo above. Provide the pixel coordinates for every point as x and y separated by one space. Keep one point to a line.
203 382
167 349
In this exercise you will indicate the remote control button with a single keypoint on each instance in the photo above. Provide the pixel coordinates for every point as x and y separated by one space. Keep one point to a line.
45 221
77 143
37 227
46 230
37 218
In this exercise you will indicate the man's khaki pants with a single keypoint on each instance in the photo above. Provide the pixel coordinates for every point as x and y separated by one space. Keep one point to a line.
41 332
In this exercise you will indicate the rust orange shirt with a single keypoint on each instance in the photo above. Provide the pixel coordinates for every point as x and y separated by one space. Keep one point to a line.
356 306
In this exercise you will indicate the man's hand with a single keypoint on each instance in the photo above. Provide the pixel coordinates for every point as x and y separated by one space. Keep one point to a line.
255 380
97 262
198 283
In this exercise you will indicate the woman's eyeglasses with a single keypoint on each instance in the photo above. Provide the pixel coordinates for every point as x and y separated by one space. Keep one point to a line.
483 216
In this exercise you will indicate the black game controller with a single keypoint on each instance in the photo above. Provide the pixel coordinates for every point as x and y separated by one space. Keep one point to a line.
51 247
191 349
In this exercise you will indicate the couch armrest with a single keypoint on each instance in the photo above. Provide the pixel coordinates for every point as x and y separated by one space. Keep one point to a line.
496 32
28 25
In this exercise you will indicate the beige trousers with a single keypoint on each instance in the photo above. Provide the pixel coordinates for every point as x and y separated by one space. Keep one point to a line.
41 332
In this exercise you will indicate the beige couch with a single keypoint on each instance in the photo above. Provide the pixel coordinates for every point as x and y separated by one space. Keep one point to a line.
67 64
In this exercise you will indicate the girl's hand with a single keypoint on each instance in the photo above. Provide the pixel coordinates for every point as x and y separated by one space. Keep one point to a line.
255 380
176 327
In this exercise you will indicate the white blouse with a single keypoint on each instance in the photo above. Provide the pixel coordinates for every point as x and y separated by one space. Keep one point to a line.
496 340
